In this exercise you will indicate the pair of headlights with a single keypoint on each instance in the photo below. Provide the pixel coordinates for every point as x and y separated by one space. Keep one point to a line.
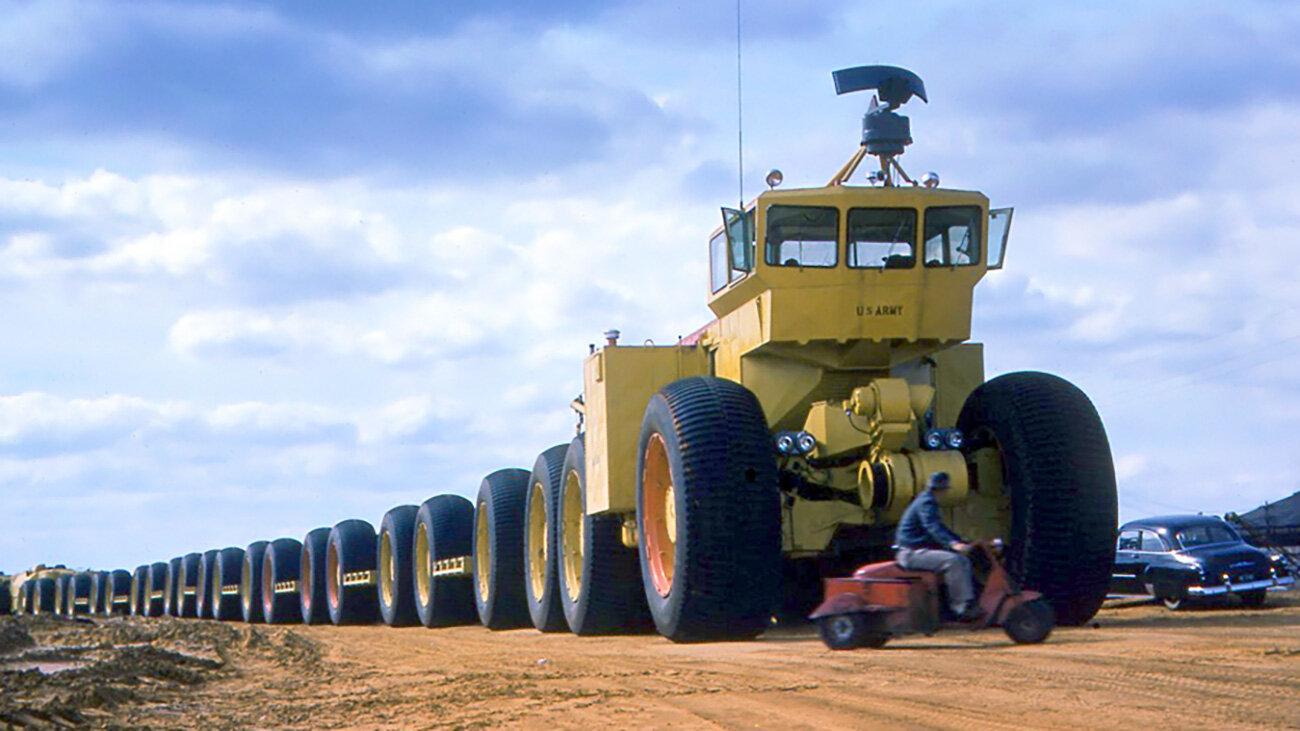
935 439
795 442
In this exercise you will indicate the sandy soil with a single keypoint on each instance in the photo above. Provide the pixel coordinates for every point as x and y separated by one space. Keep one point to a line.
1137 666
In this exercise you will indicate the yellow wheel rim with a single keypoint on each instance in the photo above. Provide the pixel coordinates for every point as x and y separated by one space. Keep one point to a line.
482 557
659 515
539 540
572 535
423 564
387 567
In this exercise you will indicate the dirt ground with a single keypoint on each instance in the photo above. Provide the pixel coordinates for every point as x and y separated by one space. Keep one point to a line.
1137 666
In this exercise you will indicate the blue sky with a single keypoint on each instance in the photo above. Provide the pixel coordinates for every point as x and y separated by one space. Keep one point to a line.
266 266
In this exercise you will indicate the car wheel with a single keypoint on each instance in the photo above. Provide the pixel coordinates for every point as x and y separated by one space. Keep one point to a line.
1173 603
1254 598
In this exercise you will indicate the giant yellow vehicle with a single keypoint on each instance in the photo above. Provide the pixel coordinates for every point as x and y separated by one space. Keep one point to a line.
714 482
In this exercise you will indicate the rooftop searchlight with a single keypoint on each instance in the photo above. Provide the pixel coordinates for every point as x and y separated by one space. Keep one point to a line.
885 133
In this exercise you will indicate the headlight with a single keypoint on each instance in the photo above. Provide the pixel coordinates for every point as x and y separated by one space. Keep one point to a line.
933 439
805 442
955 439
785 442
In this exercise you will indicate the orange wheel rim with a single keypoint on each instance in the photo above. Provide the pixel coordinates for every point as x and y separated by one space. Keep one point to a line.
659 515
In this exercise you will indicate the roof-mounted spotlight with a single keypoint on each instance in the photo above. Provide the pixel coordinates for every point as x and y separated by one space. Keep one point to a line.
774 178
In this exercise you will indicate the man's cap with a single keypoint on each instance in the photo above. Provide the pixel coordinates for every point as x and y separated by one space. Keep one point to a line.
939 480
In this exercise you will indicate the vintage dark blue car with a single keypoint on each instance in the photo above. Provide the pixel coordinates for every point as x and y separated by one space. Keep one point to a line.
1177 558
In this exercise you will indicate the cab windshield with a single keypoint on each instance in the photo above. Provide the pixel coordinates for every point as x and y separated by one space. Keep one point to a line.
802 236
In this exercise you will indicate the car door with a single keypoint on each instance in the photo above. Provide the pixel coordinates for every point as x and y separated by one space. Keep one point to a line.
1125 576
1157 566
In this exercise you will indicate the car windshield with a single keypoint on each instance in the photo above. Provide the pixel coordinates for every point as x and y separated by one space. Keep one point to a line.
1204 535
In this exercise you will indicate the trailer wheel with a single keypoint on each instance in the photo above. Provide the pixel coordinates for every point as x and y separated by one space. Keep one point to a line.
350 575
499 550
156 601
119 592
1030 623
396 597
312 601
203 588
280 566
227 570
78 594
250 582
1057 470
541 570
6 598
187 587
708 512
171 588
61 595
139 591
599 587
43 595
444 532
849 631
96 595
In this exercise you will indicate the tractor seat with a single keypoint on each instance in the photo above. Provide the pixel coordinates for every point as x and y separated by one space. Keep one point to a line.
892 571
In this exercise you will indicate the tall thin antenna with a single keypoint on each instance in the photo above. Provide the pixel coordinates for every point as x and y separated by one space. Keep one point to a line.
740 119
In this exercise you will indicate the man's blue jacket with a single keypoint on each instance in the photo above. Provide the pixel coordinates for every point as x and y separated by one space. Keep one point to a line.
922 525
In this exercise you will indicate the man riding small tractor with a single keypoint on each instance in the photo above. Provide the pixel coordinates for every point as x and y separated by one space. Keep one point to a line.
928 586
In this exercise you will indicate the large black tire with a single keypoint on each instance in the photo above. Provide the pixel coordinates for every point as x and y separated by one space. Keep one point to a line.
1057 469
281 601
226 573
43 595
98 592
600 588
156 601
708 512
312 600
24 598
250 582
541 569
1030 623
118 600
444 529
187 587
395 542
140 591
172 588
79 586
499 550
350 575
203 589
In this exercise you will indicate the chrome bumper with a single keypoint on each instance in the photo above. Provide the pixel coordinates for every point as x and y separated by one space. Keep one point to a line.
1275 584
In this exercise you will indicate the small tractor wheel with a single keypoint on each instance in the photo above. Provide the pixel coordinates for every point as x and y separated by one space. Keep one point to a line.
599 587
312 602
350 573
849 632
226 571
1057 470
708 512
156 600
188 589
396 596
203 588
499 550
444 530
250 582
541 571
280 565
1254 598
1030 622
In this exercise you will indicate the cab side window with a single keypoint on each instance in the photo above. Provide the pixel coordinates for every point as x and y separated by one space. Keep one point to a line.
1129 540
802 236
718 261
1152 542
952 236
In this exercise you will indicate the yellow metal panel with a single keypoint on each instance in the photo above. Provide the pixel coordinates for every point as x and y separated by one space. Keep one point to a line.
957 371
617 383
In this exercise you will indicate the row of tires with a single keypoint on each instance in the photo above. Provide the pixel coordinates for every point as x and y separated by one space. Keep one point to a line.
525 552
